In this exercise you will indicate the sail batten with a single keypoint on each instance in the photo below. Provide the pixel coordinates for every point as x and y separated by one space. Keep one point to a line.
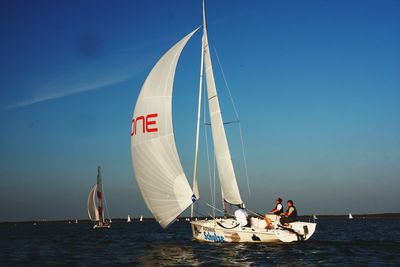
155 159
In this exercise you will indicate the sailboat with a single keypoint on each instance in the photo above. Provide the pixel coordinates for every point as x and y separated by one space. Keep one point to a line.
315 217
95 204
350 216
141 218
158 170
129 219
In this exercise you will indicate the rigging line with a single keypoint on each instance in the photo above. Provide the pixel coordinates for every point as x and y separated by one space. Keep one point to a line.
199 214
225 123
214 208
208 153
196 157
237 117
226 84
244 158
213 186
215 175
256 213
200 202
215 178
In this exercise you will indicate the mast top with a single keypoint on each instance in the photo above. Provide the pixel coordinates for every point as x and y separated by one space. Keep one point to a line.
204 16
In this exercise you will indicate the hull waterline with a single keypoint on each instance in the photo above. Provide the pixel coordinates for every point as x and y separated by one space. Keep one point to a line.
227 230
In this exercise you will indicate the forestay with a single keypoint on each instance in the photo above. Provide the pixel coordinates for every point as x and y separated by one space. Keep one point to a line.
155 159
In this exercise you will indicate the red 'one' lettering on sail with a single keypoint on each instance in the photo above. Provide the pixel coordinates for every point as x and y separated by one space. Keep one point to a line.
147 124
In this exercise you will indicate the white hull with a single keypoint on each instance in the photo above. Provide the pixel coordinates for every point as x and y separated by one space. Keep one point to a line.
103 225
227 230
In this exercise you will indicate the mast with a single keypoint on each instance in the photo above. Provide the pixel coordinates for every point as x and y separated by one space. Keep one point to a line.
226 172
204 20
195 187
99 196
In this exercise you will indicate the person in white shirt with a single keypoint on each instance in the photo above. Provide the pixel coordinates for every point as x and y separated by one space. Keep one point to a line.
241 217
277 210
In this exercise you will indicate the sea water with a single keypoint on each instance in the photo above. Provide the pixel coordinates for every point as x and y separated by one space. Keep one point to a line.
337 242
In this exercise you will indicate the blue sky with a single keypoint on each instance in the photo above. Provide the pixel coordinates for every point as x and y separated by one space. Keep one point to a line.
316 84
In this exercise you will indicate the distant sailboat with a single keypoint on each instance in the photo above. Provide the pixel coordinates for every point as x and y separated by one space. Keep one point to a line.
95 204
76 221
315 217
129 219
350 216
158 170
141 218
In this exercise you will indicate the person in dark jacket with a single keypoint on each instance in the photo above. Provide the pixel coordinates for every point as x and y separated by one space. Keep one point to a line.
290 215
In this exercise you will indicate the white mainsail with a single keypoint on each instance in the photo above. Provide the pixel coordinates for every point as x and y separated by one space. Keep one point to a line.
91 205
226 173
156 163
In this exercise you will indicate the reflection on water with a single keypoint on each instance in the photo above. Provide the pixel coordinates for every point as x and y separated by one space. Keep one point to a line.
168 255
336 242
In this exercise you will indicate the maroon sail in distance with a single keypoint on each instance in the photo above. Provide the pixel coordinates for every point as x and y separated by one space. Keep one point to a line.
95 204
99 196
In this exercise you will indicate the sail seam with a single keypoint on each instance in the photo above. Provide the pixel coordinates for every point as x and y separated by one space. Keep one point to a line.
212 97
152 140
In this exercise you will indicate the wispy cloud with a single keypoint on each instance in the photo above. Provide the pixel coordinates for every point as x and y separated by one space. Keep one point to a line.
95 76
73 89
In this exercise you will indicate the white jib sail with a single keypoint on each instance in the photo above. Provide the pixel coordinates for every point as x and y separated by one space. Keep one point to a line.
155 160
226 173
91 205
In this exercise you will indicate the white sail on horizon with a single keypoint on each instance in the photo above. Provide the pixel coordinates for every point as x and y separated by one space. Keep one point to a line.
92 206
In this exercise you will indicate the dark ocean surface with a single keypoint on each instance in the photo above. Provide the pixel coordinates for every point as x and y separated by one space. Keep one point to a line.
337 242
